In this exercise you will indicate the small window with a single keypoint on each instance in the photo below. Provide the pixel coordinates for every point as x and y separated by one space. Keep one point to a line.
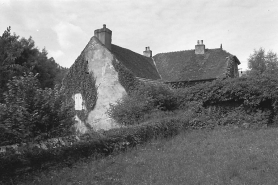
78 101
87 70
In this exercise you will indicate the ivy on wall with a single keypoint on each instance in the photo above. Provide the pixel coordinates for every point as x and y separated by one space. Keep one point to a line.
231 67
126 78
79 80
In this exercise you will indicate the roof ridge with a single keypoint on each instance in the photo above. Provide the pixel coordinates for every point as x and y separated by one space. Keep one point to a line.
131 51
190 50
175 51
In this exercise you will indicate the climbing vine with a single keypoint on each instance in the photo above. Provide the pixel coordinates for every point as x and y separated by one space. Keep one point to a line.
126 78
79 80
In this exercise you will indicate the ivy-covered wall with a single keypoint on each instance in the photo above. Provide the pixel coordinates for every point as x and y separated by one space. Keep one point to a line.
232 67
102 80
126 78
79 80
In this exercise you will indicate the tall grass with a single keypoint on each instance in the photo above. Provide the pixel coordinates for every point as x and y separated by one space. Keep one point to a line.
220 156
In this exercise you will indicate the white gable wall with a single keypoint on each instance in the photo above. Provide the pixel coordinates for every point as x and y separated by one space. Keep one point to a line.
109 89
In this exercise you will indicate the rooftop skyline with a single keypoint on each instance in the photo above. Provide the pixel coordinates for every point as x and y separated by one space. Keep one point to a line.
64 27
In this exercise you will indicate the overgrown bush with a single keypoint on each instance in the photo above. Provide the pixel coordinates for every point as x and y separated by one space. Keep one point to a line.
141 102
212 116
253 93
251 100
31 113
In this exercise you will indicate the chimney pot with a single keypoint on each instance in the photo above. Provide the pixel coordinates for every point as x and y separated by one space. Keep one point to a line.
147 52
104 25
200 47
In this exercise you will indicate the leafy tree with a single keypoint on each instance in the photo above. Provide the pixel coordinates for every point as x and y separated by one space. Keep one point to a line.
21 55
271 62
31 113
10 49
261 62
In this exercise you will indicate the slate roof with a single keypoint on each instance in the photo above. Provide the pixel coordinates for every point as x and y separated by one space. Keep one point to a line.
187 66
139 65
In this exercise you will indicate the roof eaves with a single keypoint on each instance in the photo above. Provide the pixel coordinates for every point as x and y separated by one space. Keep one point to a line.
236 59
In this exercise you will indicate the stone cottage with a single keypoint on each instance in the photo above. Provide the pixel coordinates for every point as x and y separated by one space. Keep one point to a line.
177 68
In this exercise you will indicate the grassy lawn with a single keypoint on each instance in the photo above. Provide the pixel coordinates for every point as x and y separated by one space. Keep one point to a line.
220 156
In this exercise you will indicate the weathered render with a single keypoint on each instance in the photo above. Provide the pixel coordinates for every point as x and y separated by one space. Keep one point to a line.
109 88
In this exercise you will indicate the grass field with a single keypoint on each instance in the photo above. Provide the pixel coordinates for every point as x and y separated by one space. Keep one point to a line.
220 156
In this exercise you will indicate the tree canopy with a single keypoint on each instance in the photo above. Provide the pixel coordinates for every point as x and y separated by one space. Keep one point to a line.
19 55
261 62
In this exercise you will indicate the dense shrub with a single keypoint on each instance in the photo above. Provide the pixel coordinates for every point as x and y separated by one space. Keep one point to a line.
31 113
238 100
254 94
212 116
141 102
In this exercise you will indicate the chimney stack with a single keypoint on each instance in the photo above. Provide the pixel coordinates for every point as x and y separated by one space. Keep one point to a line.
104 35
200 47
147 52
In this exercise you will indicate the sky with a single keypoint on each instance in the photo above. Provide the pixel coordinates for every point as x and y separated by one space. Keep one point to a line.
64 27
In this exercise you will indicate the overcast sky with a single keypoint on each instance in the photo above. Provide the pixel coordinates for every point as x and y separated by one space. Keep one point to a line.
64 27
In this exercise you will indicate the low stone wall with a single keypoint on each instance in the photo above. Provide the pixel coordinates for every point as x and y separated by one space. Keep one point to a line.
45 145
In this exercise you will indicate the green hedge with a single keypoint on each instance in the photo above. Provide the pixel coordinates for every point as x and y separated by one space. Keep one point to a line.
259 92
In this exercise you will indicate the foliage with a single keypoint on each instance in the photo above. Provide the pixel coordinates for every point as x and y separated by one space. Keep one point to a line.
126 78
217 115
156 124
142 101
9 51
20 55
31 113
36 158
78 80
254 92
220 156
252 99
261 62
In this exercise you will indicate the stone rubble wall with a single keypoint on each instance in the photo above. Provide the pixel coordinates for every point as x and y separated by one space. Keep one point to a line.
45 145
